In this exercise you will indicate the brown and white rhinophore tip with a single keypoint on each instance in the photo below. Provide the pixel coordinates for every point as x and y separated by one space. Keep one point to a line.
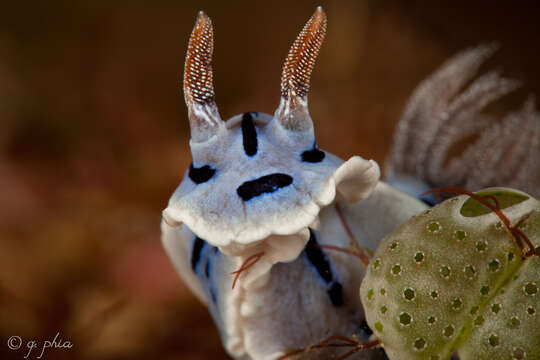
292 112
204 118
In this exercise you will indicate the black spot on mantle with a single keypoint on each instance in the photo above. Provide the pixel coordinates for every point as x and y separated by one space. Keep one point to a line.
202 174
314 155
263 185
249 135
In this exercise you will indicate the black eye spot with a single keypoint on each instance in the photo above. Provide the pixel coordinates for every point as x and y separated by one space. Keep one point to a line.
314 155
262 185
202 174
249 135
198 246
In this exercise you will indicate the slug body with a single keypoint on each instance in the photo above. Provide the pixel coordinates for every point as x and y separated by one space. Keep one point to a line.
260 186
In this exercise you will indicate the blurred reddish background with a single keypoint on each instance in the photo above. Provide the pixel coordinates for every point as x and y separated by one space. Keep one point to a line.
94 139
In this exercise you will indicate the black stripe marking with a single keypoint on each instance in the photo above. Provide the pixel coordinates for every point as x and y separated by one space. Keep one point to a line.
382 354
198 246
202 174
211 288
207 269
364 327
197 255
314 155
249 135
317 258
213 295
262 185
336 294
428 201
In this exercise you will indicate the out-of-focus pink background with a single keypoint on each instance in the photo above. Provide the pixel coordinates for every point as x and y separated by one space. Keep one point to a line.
94 139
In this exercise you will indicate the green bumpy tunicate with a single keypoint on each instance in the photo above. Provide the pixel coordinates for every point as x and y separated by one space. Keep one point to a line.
453 279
